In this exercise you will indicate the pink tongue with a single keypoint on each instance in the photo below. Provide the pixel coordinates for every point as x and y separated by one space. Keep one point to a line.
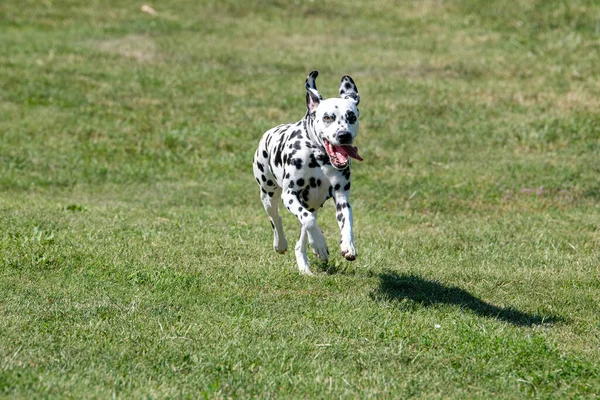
350 151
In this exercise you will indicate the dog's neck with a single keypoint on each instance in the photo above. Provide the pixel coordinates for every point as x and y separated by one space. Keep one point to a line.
308 123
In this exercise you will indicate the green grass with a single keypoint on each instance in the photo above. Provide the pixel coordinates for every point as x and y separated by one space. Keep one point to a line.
136 258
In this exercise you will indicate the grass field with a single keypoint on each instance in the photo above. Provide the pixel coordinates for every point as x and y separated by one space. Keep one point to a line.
136 259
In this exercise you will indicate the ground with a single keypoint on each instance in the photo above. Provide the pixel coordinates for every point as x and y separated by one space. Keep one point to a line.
136 259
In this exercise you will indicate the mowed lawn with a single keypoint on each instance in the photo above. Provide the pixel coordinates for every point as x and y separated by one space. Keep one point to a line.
136 259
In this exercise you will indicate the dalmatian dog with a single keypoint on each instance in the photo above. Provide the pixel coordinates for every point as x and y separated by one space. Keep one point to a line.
307 162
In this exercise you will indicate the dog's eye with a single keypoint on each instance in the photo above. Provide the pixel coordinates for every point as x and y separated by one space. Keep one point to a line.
351 117
328 118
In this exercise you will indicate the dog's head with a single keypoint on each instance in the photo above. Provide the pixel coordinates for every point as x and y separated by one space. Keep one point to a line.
335 120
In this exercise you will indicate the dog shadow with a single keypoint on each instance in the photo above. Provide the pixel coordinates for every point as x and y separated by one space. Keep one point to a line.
428 293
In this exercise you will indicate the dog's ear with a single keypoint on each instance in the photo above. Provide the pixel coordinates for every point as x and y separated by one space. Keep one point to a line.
348 89
313 97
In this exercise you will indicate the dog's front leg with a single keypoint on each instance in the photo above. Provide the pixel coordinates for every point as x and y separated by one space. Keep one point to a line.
310 231
345 222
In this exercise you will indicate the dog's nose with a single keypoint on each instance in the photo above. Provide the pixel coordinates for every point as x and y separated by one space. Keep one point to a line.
344 137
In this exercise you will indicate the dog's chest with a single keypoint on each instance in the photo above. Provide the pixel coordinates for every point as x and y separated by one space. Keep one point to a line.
300 166
316 181
313 187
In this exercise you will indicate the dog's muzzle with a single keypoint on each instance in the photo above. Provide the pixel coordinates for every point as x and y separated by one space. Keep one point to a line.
344 137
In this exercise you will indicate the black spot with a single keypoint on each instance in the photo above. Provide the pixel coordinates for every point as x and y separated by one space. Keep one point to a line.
278 157
348 85
265 154
300 182
263 190
291 185
318 182
260 166
296 134
291 201
330 191
313 163
347 187
263 178
350 116
258 181
346 173
272 224
297 162
305 214
311 210
287 176
341 206
279 152
299 209
285 159
343 221
313 182
297 145
305 194
323 159
339 216
308 144
270 194
270 182
337 187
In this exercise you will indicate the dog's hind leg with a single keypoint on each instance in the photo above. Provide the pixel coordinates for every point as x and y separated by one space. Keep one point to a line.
270 201
270 195
301 258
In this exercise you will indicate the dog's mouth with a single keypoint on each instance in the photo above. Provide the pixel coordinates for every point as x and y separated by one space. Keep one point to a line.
340 155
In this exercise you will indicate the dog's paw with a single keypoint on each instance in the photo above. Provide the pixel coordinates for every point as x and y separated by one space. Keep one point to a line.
348 251
305 270
280 246
302 260
318 244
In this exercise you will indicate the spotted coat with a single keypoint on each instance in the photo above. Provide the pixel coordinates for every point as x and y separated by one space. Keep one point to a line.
292 164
